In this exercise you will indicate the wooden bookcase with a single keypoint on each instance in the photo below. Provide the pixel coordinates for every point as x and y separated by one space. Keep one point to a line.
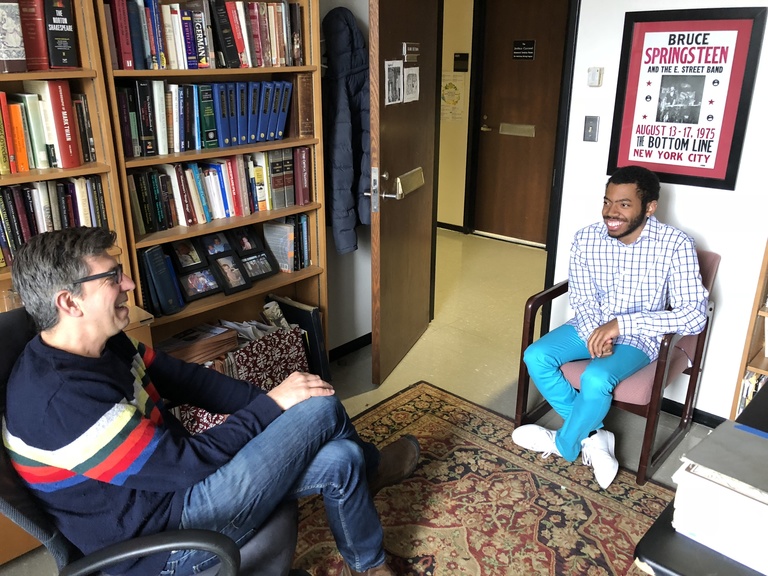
754 358
308 285
88 79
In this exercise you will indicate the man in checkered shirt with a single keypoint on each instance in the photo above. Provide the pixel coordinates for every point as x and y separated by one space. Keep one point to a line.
631 279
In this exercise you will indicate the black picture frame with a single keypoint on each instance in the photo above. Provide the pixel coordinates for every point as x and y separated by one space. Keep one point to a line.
230 272
186 255
199 284
684 92
244 240
214 244
260 264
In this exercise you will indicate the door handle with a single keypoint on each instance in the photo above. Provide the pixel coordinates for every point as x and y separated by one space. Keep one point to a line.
404 184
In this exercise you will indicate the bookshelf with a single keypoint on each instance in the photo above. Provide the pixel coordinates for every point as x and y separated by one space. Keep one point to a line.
754 358
89 80
309 284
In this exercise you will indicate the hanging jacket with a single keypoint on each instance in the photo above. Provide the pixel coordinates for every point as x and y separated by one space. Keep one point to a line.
346 126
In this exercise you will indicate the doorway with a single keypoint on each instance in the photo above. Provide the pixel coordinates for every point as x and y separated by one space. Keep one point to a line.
514 117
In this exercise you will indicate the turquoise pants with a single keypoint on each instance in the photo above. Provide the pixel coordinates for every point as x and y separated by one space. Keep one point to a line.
584 411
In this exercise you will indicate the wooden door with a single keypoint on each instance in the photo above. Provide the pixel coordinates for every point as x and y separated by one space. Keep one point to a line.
403 140
522 66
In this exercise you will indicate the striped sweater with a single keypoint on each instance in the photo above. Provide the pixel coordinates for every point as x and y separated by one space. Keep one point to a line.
95 443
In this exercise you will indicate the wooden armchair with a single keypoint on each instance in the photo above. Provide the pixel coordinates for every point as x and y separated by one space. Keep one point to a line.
642 392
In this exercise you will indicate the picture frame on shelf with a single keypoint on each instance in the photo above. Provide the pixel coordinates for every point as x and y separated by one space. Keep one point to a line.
260 265
214 244
199 284
684 92
231 273
244 240
186 256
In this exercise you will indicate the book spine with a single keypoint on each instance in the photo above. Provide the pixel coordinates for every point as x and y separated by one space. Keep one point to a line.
186 198
5 160
200 186
237 32
236 207
226 50
301 175
156 31
289 177
12 54
266 43
297 33
8 134
80 104
170 42
157 200
137 27
257 57
16 114
158 106
241 94
21 213
11 218
201 41
62 117
303 105
122 29
208 128
190 47
62 38
37 135
32 14
145 118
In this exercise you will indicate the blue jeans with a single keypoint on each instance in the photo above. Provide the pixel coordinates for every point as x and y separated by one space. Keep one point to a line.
584 411
311 448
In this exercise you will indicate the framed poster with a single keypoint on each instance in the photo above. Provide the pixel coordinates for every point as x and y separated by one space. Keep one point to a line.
684 93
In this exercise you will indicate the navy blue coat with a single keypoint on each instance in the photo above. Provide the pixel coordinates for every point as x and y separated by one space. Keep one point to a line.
346 126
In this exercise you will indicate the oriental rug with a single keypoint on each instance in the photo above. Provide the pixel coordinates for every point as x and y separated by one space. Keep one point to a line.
479 505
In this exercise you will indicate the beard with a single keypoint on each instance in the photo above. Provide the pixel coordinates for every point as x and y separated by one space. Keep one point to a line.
632 225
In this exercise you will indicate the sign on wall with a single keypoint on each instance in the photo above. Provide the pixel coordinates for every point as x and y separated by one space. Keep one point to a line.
684 93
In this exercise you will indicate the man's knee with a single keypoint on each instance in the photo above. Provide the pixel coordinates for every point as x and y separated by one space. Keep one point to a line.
537 355
597 383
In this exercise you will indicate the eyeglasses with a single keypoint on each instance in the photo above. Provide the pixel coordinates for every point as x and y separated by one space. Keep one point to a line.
116 274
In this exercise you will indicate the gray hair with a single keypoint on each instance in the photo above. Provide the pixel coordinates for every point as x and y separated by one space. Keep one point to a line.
51 262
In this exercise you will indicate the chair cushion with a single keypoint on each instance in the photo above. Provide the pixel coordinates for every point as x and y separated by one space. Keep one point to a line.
637 388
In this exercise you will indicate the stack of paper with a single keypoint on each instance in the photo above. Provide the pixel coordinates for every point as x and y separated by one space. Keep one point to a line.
722 494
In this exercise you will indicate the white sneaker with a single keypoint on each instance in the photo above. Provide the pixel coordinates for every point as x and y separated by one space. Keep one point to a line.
536 438
597 451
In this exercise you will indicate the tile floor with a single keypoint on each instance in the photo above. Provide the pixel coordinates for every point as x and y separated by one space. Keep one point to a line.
471 349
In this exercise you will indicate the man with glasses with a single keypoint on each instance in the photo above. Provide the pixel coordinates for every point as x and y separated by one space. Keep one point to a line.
87 428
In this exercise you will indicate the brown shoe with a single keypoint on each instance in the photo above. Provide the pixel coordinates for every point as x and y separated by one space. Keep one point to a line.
381 570
398 461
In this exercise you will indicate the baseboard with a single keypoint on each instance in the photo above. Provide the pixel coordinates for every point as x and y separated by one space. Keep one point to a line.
699 416
349 347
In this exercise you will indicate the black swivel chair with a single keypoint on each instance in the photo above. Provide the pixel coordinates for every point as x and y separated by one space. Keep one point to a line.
268 553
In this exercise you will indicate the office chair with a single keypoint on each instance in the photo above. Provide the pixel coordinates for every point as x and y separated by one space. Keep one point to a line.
642 392
268 553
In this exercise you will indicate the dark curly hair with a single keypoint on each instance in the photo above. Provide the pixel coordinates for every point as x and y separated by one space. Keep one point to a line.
646 181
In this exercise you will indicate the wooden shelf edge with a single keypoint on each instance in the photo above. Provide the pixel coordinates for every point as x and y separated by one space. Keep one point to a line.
220 224
261 287
759 362
211 72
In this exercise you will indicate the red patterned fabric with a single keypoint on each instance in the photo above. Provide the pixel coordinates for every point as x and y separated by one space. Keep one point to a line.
265 362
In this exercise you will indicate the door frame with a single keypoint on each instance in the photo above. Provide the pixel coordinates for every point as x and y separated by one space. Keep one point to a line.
563 115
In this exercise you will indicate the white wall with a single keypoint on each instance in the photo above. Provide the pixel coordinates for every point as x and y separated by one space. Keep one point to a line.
724 221
349 275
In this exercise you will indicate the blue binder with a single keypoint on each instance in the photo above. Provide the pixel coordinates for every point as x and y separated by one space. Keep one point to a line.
285 105
254 91
220 107
232 112
274 111
265 106
242 112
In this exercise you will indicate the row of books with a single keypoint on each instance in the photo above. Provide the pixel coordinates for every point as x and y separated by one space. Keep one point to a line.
288 240
190 269
147 34
38 35
30 209
722 493
184 194
160 117
46 126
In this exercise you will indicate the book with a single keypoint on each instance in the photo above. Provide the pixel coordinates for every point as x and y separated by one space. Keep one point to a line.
32 13
163 279
217 186
289 188
297 32
138 184
201 11
226 50
201 190
62 36
302 107
187 201
309 319
254 34
190 44
194 193
168 38
138 29
22 215
237 33
260 180
11 219
221 114
201 39
160 214
7 155
83 114
266 43
304 244
13 57
122 31
34 121
16 122
173 180
145 117
155 27
278 236
208 128
301 178
157 88
276 178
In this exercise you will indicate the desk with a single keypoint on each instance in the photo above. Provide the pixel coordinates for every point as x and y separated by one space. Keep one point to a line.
667 553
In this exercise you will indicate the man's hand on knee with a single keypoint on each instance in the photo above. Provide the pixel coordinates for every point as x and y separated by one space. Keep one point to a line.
298 387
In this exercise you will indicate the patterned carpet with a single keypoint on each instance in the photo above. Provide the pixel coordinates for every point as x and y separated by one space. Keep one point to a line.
479 505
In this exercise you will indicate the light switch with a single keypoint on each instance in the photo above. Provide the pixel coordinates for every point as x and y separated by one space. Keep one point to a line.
590 128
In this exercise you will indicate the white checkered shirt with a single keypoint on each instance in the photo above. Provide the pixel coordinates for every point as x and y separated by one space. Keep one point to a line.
652 286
